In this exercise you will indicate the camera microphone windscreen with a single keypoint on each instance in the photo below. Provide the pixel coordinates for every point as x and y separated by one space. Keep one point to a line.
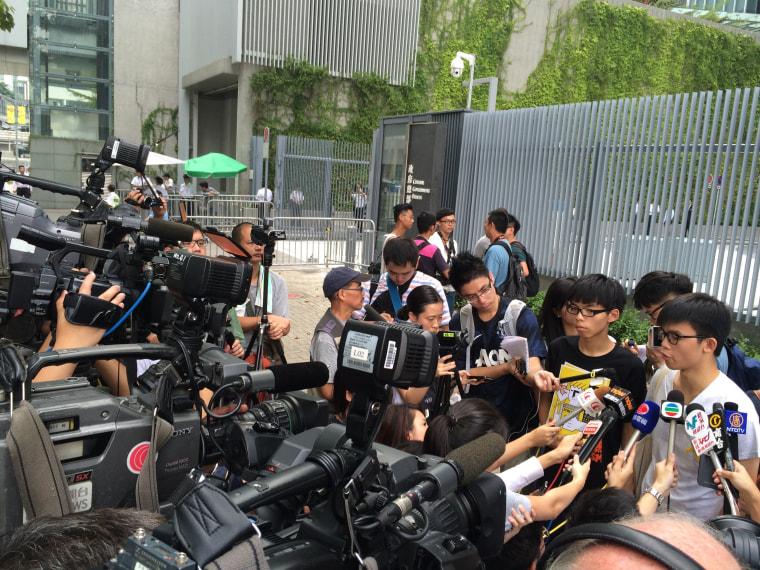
286 377
371 314
169 231
478 455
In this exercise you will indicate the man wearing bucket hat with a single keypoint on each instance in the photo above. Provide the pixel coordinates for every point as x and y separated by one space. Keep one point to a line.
342 286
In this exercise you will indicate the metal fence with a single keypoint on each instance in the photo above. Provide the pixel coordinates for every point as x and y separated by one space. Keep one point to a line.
325 173
625 187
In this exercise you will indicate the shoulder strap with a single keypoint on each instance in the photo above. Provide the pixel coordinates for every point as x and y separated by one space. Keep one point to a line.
514 309
395 297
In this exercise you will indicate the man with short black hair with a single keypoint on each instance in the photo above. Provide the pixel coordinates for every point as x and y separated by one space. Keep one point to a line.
443 238
401 257
403 217
343 287
693 330
498 256
431 261
510 391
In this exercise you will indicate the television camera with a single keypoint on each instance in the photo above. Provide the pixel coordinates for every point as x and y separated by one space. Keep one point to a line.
365 501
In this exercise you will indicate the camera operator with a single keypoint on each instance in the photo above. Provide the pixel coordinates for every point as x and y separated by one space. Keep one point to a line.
68 335
342 286
158 209
278 311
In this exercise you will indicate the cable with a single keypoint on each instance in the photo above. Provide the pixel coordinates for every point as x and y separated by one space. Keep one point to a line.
129 311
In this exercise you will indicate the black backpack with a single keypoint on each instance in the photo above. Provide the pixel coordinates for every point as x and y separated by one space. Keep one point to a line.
532 280
515 286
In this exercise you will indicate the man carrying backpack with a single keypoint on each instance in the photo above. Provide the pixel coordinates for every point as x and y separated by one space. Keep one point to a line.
500 260
522 255
431 260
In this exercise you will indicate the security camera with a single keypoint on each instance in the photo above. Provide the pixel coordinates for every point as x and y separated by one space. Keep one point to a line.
457 66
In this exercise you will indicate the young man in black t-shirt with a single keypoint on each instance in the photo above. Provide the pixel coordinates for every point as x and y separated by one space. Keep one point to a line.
597 301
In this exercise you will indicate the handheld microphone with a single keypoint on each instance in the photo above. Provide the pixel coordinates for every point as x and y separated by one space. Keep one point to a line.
671 411
732 437
644 421
460 467
718 421
600 372
590 401
284 378
702 438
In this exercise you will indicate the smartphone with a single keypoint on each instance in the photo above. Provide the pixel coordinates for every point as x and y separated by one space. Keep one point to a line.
653 339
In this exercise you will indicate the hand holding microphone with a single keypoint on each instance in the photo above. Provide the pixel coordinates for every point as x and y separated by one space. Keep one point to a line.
702 438
590 402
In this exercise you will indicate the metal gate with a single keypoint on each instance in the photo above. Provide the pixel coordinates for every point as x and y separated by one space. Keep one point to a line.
326 173
625 187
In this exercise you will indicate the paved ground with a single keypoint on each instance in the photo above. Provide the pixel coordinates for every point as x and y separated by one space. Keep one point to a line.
307 304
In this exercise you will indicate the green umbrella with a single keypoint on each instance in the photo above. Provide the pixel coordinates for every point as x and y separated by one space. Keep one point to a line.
214 165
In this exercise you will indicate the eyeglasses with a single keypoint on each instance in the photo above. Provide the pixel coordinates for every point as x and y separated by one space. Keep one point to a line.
447 221
199 242
575 309
352 288
486 290
652 315
673 337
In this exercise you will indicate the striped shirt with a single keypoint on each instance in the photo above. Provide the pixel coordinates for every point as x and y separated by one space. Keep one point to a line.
418 279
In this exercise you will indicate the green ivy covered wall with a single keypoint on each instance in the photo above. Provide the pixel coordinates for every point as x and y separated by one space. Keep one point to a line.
596 51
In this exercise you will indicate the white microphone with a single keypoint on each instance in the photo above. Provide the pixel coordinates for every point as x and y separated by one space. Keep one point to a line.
590 401
702 438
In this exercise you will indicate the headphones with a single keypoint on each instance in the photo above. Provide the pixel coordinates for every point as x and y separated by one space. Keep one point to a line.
649 545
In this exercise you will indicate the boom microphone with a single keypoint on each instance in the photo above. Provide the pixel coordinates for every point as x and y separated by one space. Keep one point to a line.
284 378
461 467
590 402
643 421
371 314
600 372
702 438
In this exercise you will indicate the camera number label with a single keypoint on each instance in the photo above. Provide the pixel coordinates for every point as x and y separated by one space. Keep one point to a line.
81 496
359 353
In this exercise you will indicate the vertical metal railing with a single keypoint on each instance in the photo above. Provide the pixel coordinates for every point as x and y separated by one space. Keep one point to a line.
625 187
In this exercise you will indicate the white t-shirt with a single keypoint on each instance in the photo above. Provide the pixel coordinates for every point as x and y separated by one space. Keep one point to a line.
264 195
139 181
689 496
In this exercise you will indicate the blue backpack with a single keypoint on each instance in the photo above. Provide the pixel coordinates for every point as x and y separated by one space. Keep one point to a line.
742 369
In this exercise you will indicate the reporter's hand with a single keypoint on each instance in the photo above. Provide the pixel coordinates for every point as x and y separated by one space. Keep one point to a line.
739 478
387 317
632 348
580 471
518 520
465 378
619 472
568 445
665 474
543 435
446 366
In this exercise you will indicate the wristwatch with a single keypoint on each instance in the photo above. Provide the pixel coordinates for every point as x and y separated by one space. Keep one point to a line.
656 494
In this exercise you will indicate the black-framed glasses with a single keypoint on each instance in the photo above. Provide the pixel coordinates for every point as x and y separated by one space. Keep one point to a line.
575 309
482 293
652 313
447 221
199 242
674 337
347 288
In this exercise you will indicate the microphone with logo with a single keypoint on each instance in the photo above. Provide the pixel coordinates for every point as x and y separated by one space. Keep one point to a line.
618 407
702 438
671 410
590 401
644 420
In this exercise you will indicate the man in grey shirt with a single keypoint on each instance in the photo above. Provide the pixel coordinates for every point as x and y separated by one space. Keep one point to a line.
278 311
342 286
